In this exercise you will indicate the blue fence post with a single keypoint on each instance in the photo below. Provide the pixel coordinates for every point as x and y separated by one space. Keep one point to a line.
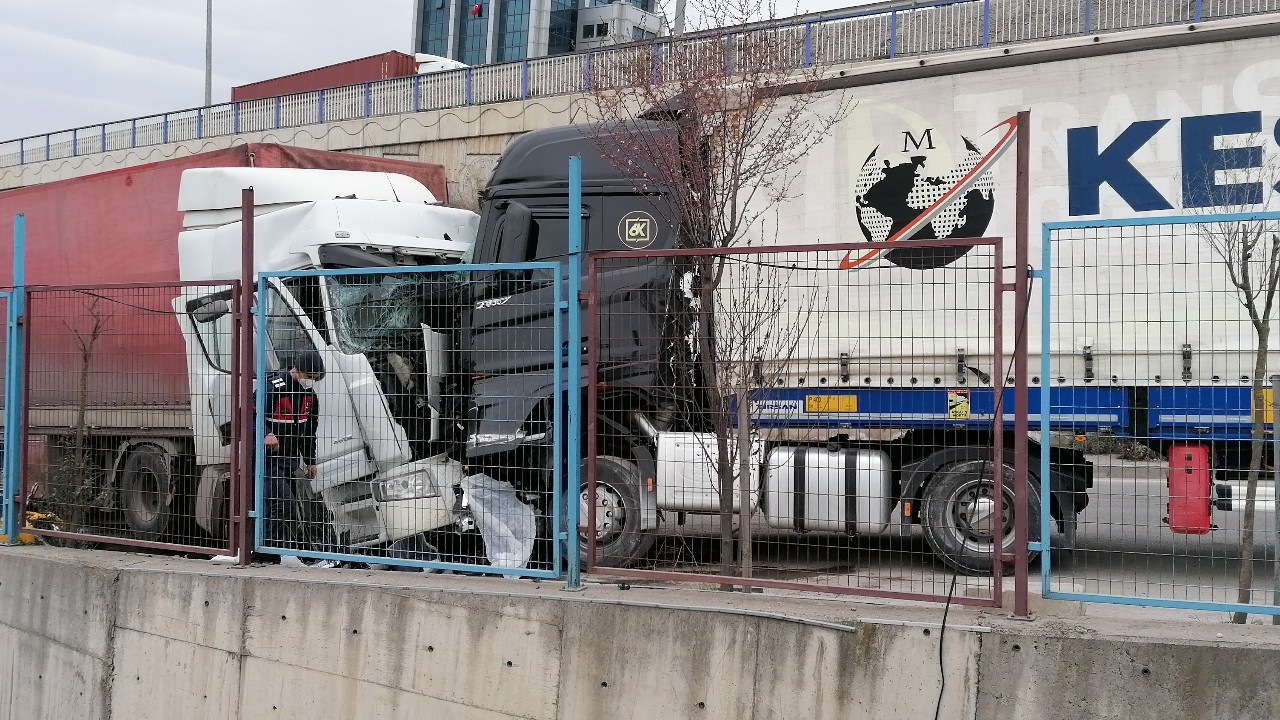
22 151
14 381
1200 16
200 123
467 90
48 148
524 81
75 143
417 93
259 370
235 118
986 23
164 129
893 34
368 99
1046 407
586 73
103 146
320 106
573 441
808 44
1088 15
133 133
656 68
277 111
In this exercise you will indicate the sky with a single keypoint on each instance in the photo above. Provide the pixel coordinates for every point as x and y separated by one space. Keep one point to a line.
71 63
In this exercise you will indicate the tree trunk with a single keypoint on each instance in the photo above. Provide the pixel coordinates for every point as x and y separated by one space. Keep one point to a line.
717 406
1258 448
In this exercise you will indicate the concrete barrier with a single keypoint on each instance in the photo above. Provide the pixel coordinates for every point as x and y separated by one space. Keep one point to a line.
88 635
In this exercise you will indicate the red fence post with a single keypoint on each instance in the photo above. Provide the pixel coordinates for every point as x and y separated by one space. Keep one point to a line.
1022 297
243 424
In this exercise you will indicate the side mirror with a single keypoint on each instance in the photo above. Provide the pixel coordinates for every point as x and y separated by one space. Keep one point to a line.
517 226
208 308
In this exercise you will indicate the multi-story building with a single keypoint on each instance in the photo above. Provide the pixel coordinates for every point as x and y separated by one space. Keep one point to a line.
478 32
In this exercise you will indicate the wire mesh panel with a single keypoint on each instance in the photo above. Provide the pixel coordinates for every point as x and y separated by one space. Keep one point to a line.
410 417
1159 364
817 418
125 445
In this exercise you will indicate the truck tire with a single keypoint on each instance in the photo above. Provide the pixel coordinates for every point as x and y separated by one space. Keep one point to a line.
619 540
956 502
148 491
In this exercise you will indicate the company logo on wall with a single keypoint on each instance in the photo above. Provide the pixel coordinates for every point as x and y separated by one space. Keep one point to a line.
928 191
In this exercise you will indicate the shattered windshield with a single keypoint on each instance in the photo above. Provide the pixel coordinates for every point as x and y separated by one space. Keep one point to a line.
370 310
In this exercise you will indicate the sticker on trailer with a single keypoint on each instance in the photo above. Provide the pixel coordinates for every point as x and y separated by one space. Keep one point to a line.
637 230
958 407
827 404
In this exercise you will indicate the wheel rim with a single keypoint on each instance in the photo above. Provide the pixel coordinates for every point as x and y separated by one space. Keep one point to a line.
972 514
611 514
146 493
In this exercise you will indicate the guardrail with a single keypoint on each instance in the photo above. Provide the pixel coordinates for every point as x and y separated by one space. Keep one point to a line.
919 29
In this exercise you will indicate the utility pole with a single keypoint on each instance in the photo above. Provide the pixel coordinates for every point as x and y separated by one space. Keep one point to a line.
208 53
679 21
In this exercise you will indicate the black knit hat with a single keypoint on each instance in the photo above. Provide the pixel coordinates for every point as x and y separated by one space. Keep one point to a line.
309 362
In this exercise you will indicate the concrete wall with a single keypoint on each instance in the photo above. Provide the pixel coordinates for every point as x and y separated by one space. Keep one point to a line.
95 635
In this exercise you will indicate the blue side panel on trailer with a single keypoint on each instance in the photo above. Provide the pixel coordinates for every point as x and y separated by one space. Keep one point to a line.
1083 408
1199 412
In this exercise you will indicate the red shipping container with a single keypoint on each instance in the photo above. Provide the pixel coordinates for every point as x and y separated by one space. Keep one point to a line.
352 72
122 226
1190 488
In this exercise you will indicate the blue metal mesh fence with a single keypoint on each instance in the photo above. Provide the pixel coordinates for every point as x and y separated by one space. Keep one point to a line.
412 417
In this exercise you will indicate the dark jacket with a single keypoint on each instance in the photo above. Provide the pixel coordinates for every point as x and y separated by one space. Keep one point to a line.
292 415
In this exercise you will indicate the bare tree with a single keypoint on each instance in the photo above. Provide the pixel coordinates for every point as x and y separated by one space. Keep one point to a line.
716 124
1250 255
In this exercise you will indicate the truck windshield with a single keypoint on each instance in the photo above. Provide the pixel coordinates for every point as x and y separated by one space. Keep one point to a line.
369 311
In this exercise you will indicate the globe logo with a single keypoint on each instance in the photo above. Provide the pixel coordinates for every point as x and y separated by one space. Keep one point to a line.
911 198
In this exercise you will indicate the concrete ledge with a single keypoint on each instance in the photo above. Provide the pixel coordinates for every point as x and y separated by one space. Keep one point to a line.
139 636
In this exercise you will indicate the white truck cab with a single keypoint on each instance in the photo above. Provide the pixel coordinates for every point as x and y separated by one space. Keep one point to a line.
377 482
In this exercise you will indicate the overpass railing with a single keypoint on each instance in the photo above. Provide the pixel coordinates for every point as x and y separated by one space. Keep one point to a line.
874 34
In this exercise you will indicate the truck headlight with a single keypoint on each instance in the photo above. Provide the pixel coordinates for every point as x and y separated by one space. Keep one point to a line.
407 486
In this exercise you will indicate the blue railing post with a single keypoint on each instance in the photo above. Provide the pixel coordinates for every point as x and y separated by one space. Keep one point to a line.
1088 16
573 439
368 99
893 34
103 147
586 73
75 142
235 118
808 44
14 382
277 111
164 129
48 148
1199 17
1046 402
467 90
524 80
986 23
200 123
320 106
22 151
656 69
133 133
417 93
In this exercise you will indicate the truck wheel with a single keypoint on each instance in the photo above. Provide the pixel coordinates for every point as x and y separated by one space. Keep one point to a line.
958 509
147 491
619 539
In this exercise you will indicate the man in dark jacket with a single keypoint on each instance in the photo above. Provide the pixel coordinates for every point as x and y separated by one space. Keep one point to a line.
293 411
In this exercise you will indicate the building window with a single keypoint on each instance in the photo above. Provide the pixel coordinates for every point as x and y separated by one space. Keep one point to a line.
563 27
639 33
473 37
602 29
513 30
588 32
434 39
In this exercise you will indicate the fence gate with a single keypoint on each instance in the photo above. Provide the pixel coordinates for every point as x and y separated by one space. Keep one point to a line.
1151 363
816 378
